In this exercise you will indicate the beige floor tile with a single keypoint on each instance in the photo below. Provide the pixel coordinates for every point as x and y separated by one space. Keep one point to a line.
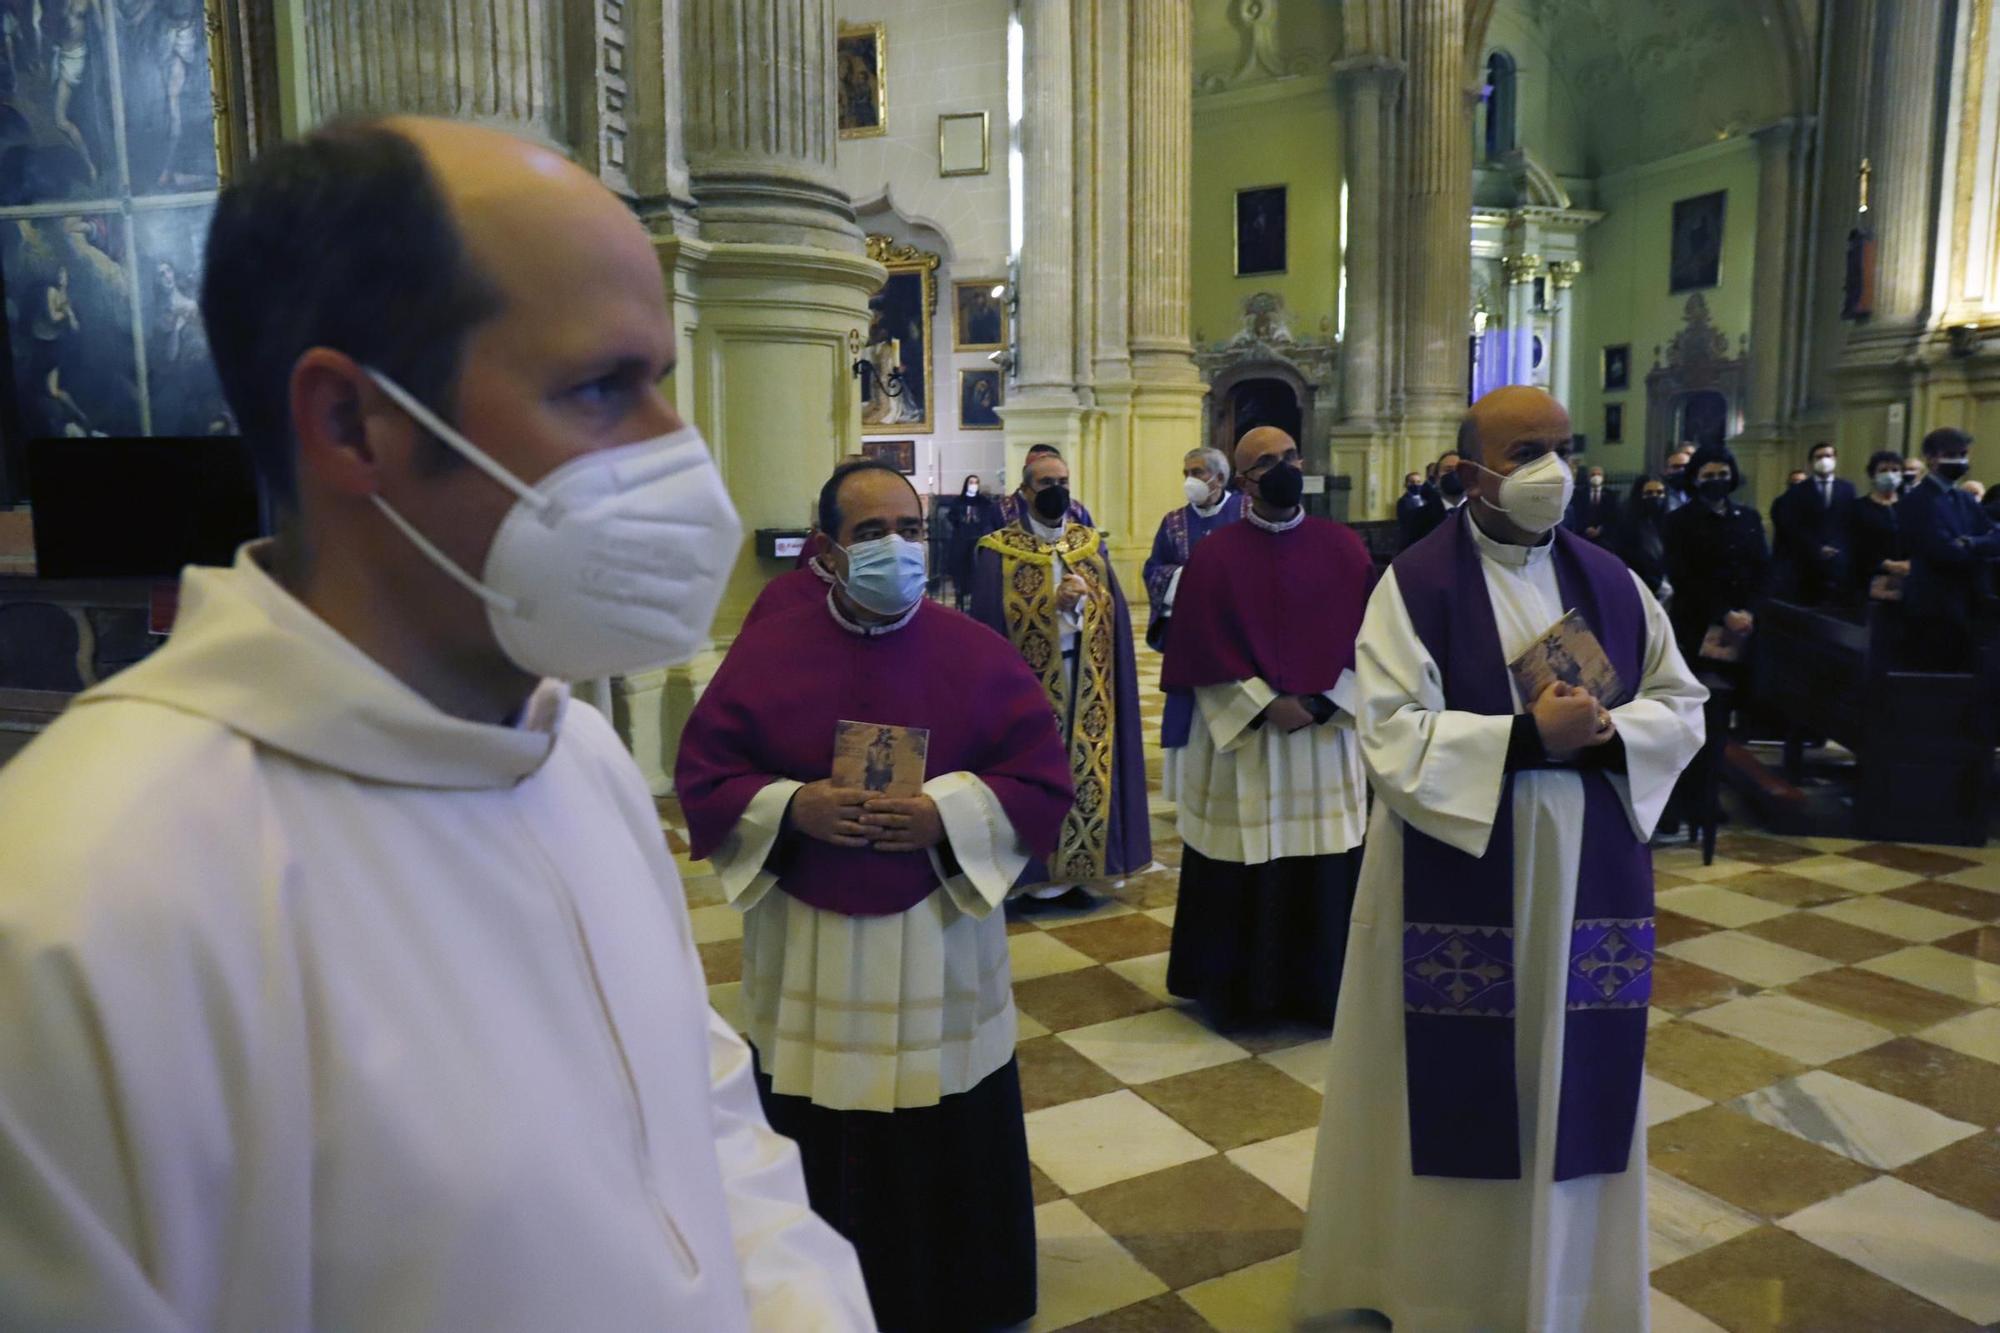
1036 953
1940 970
1748 958
1252 1300
1686 863
1198 1221
1720 906
1306 1063
1793 1027
1976 1033
1243 1102
1027 1028
1986 876
1670 1316
1081 1270
1163 915
1872 1127
1844 872
1152 1046
1906 921
1664 1101
1770 1281
1084 1145
716 923
1285 1164
1149 974
1683 1220
1937 1249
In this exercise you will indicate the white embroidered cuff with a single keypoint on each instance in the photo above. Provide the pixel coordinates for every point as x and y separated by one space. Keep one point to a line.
990 856
739 862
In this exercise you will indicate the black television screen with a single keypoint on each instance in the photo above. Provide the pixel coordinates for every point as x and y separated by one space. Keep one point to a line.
140 508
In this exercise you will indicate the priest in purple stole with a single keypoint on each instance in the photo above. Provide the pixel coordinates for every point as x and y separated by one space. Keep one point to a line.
876 989
1046 583
1482 1151
1272 801
1017 503
1211 505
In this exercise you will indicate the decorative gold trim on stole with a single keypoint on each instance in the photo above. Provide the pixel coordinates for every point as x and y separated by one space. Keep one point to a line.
1033 625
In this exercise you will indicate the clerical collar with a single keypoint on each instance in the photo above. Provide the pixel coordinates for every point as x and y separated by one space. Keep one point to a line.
1506 553
1211 511
818 566
1043 530
1282 525
841 619
1453 506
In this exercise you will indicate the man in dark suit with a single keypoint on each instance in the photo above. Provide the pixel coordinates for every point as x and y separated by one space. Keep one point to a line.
1410 510
1951 539
1593 511
1442 499
1814 522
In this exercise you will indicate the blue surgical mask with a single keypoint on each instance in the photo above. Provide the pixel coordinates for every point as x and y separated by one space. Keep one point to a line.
886 575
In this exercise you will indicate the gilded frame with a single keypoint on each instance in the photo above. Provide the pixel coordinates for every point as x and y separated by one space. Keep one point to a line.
982 375
985 143
959 342
877 36
1284 225
908 298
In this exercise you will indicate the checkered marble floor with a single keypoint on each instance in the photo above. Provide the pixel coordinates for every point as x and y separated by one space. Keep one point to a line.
1823 1093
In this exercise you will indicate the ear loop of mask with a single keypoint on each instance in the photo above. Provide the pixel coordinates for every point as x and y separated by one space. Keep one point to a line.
430 421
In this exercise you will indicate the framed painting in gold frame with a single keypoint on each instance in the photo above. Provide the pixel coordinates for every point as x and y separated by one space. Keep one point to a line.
861 60
980 396
899 342
978 317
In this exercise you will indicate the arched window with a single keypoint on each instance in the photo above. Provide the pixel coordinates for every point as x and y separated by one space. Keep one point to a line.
1499 98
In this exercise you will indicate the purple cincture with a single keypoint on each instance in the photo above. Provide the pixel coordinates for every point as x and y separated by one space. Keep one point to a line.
1458 939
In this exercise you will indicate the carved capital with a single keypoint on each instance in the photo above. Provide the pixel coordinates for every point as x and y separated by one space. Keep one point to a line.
1521 269
1563 273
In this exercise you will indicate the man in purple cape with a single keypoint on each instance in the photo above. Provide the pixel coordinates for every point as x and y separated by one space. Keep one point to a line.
876 989
1482 1153
1211 505
1018 502
1046 583
1272 800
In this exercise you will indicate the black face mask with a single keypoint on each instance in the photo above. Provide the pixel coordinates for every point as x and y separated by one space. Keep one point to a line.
1282 486
1450 486
1052 504
1716 488
1414 487
1952 469
1653 503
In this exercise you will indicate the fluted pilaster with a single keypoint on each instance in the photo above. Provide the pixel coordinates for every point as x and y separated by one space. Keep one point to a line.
1909 59
492 61
1562 349
1440 176
1111 352
1781 152
1368 91
1162 152
1048 249
761 123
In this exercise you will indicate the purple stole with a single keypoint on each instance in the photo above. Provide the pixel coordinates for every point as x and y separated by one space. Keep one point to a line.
1458 910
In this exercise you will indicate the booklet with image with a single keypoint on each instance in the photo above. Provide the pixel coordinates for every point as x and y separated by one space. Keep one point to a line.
1568 652
881 758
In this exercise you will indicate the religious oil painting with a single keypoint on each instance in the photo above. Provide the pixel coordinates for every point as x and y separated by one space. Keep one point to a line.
896 397
109 165
862 57
898 454
1260 230
1697 242
1617 367
979 399
877 757
1614 423
979 315
69 319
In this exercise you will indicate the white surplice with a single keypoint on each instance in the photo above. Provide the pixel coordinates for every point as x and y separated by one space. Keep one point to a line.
1252 795
879 1013
1440 1255
322 1009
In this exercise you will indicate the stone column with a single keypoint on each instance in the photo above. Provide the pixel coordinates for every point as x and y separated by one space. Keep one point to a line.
498 62
1369 89
1439 229
1769 443
1043 405
1168 391
760 122
1521 271
1909 64
1562 293
1104 78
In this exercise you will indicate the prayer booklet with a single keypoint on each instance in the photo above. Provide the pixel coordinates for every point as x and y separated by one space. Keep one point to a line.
880 758
1721 644
1570 653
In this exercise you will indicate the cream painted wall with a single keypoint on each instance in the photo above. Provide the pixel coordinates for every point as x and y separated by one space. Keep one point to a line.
1548 116
1624 296
944 57
1248 139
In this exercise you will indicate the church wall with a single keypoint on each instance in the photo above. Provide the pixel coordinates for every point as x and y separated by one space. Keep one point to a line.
944 57
1548 118
1624 288
1242 142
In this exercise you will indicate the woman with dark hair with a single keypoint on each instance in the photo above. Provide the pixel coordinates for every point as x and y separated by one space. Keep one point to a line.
1881 550
1717 558
1640 538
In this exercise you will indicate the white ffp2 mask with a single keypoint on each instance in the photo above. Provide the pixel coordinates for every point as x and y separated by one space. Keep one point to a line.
1196 490
1536 496
612 564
